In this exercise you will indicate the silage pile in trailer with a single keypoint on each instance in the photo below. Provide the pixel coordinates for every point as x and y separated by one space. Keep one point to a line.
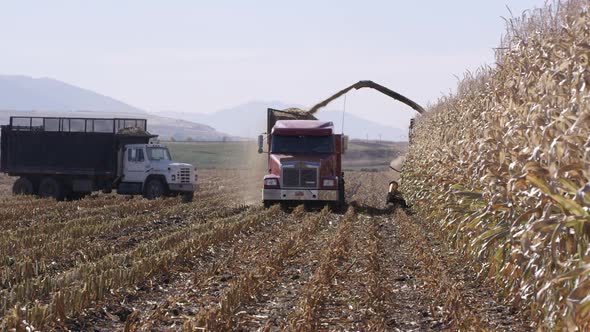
292 114
133 131
503 166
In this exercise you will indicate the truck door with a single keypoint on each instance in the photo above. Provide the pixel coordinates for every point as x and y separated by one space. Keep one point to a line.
136 168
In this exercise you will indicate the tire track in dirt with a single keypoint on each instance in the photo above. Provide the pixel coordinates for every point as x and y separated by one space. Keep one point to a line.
161 301
18 213
265 269
436 287
217 271
307 315
408 306
120 272
79 249
280 295
358 293
48 215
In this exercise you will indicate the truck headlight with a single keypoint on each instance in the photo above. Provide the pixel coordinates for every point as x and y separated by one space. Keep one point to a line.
328 183
173 177
271 182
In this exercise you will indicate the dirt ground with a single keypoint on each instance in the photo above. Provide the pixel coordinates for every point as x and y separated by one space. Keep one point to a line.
225 263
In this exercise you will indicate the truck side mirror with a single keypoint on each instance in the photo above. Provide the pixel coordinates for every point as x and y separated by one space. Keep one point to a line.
260 143
344 144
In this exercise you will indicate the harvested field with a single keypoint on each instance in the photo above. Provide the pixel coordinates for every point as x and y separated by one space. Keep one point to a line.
223 262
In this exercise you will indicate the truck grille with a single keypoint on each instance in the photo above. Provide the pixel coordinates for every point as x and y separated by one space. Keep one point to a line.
300 177
185 175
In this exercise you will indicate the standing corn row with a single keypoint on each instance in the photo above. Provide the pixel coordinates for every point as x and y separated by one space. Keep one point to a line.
504 165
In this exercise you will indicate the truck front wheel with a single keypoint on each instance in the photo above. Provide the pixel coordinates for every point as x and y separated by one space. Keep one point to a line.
51 188
23 186
188 197
154 188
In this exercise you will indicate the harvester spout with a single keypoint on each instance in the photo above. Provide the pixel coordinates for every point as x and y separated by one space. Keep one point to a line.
372 85
395 169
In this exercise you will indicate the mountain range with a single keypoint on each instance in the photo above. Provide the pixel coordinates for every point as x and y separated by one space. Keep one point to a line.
27 96
249 120
26 93
47 96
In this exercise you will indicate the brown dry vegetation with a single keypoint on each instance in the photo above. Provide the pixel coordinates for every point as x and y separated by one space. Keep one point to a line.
111 262
503 166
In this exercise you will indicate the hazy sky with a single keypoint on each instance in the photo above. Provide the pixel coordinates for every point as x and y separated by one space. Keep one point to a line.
203 56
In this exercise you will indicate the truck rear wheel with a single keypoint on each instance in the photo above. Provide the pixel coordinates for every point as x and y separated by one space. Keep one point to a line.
23 186
74 196
187 197
154 188
51 188
341 194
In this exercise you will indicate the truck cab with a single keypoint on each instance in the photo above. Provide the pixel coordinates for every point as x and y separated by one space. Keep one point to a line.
304 161
149 169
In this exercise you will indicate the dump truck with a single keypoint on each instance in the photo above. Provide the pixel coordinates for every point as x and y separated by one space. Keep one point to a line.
304 160
68 158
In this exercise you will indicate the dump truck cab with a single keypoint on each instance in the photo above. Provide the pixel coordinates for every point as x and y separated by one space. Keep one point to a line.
304 162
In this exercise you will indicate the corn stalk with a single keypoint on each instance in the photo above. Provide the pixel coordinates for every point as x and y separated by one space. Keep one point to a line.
503 166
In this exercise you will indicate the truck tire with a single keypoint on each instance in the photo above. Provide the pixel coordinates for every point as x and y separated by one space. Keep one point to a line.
153 189
51 188
341 194
187 197
75 196
23 186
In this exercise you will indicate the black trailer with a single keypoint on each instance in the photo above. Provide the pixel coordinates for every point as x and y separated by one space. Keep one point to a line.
67 157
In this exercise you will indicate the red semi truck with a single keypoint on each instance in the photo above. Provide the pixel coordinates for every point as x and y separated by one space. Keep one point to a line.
304 160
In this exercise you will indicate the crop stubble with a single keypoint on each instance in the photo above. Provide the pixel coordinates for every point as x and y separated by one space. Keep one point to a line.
110 262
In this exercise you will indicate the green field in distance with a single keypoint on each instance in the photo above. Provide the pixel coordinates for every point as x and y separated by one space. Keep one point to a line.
361 155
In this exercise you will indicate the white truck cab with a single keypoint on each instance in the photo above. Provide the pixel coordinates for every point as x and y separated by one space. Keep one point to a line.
150 170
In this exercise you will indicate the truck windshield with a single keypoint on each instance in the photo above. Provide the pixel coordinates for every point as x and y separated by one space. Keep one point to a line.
158 153
302 144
